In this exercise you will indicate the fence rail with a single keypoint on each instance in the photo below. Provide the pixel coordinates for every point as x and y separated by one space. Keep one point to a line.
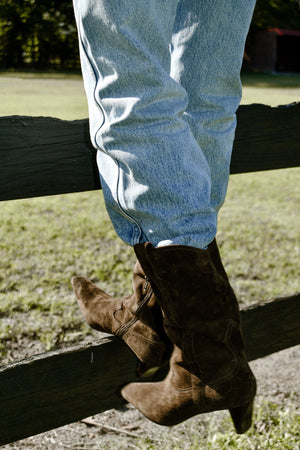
56 388
45 156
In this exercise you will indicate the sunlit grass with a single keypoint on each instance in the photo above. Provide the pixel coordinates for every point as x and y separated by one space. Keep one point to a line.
267 80
61 95
274 427
33 95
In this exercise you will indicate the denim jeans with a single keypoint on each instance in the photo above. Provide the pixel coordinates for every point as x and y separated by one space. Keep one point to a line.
162 79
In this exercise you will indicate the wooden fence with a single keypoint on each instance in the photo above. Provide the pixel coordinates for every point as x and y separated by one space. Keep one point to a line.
45 156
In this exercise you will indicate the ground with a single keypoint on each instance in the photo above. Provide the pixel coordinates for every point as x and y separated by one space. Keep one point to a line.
278 381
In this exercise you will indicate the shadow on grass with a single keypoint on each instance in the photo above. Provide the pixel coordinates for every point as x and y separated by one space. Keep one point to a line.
266 80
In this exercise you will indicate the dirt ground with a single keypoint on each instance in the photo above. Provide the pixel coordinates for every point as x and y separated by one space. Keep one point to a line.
278 380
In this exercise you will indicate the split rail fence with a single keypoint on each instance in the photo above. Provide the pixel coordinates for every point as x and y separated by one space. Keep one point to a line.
42 156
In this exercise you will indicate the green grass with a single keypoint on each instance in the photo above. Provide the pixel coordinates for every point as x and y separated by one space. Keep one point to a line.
259 234
266 80
45 241
54 95
274 427
269 89
60 95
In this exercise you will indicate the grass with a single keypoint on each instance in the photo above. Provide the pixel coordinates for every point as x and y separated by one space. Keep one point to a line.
61 95
54 95
45 241
269 89
266 80
273 428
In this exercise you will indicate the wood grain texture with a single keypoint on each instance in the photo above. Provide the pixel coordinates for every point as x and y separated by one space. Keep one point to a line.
266 138
60 387
45 156
51 390
271 326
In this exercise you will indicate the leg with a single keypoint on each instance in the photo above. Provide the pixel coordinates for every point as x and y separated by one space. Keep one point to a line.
144 140
207 52
155 179
124 48
208 367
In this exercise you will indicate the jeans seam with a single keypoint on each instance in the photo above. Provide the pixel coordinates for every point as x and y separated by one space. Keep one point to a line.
137 231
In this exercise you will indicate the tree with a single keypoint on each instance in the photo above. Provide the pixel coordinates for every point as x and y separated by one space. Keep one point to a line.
276 14
42 34
38 33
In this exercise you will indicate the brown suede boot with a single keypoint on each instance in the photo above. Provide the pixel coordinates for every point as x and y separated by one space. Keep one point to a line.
137 318
208 366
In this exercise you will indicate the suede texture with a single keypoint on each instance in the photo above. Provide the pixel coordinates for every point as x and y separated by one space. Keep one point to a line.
208 367
136 318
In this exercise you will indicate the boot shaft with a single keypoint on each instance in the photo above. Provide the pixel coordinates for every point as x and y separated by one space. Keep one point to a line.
208 367
201 314
189 283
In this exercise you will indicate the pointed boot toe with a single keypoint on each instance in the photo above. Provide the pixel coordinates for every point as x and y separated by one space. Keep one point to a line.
91 299
85 290
143 396
80 286
137 318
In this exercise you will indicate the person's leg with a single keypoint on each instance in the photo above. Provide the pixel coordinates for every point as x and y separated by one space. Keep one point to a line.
134 107
190 284
207 52
155 178
208 367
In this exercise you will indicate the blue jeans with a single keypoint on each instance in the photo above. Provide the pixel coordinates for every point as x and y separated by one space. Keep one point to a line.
162 79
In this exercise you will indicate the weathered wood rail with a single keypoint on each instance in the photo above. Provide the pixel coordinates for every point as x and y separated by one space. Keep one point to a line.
44 156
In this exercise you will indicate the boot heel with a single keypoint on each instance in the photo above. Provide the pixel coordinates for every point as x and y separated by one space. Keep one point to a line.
242 417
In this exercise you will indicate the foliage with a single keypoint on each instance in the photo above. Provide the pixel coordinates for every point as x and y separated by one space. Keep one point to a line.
42 33
276 14
38 33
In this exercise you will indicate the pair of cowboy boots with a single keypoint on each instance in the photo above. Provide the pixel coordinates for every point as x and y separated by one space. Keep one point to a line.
184 310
